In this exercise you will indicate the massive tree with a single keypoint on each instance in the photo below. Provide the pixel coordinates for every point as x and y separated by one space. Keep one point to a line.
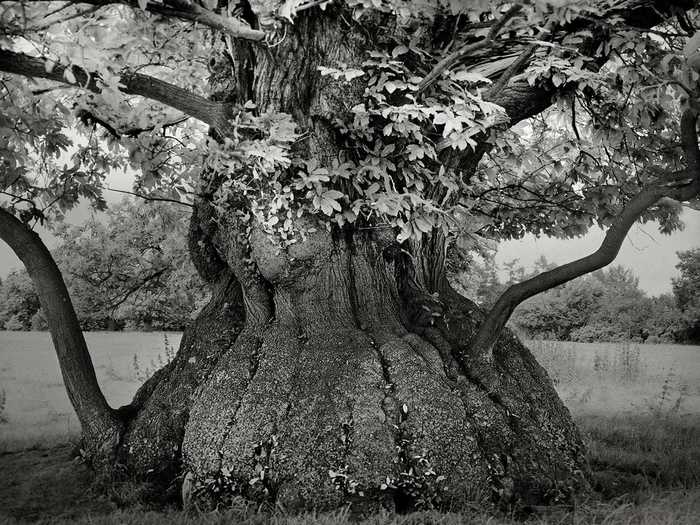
334 151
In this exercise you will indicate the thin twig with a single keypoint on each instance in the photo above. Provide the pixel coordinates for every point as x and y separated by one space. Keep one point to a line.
463 51
149 198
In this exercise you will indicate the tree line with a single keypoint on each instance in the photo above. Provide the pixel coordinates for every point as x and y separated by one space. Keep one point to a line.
129 270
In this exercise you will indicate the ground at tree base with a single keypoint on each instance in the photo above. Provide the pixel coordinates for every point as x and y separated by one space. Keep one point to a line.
646 470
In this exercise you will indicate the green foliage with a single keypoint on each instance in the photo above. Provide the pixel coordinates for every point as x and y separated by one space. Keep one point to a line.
128 269
612 131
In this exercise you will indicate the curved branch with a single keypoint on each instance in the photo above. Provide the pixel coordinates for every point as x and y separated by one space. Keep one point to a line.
215 114
186 10
683 186
100 423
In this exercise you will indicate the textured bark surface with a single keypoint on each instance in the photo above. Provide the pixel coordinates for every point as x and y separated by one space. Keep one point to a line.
338 370
336 399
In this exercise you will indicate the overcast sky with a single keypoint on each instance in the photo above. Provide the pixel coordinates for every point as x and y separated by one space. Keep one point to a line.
651 255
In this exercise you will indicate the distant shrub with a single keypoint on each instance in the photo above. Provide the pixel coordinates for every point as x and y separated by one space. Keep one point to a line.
15 323
599 332
38 321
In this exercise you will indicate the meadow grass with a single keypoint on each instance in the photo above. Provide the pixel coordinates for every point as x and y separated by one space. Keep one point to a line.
37 411
637 406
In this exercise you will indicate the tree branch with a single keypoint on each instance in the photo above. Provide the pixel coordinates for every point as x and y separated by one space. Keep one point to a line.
521 101
187 10
100 423
215 114
684 185
116 302
153 199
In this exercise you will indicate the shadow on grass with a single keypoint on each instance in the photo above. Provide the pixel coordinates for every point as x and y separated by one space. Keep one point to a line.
646 470
629 453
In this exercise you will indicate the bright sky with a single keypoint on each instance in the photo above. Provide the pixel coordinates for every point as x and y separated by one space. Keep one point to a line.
651 255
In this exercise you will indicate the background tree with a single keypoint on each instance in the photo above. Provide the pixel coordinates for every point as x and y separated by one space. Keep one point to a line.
349 143
686 289
604 306
131 269
18 301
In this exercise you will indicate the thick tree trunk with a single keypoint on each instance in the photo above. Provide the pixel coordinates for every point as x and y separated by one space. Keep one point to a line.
100 424
344 395
338 369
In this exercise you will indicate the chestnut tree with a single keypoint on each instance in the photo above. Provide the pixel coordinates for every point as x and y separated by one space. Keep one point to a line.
334 151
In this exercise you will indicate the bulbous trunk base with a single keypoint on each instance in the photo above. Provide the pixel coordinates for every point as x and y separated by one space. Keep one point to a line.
341 398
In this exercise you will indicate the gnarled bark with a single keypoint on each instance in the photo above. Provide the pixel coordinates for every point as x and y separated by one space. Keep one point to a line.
349 380
337 399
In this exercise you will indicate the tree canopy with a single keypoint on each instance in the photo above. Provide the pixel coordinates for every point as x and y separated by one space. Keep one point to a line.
120 84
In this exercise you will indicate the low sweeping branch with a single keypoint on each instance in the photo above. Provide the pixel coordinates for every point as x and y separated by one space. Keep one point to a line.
186 10
215 114
682 186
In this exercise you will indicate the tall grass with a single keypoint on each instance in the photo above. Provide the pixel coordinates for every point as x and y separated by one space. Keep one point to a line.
141 373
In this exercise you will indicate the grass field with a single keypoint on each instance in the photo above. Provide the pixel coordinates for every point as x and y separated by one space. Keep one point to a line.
638 407
37 409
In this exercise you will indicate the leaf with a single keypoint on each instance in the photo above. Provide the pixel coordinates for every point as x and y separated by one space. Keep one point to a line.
405 233
469 76
288 9
441 118
372 189
332 194
143 4
352 73
399 50
423 225
69 76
